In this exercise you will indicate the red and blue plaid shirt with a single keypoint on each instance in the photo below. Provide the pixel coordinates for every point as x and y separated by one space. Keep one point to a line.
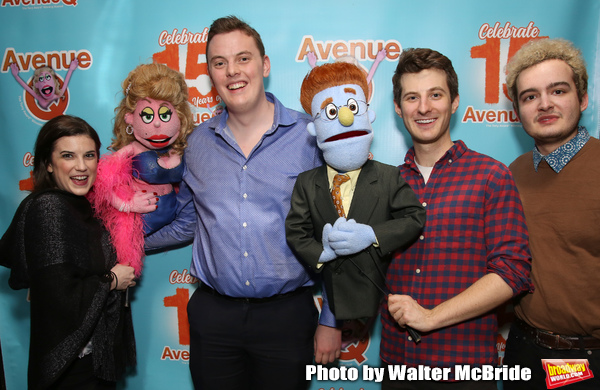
475 226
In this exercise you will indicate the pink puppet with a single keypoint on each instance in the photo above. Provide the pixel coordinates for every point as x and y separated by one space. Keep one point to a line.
46 88
135 191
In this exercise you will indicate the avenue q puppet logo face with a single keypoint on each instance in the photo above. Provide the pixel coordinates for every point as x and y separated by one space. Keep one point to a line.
564 372
45 91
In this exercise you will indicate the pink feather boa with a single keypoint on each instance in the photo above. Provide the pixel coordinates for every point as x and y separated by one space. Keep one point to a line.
126 229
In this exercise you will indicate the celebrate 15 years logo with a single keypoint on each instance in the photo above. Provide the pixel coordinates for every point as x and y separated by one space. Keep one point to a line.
501 41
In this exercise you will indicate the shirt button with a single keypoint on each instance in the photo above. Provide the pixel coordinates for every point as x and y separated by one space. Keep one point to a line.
424 204
245 224
247 282
450 161
245 254
244 167
422 238
409 338
245 196
418 271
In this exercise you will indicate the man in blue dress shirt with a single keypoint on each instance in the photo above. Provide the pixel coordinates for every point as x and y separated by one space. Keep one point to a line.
253 321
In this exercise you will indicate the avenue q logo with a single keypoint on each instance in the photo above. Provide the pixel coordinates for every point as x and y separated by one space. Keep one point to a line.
564 372
36 3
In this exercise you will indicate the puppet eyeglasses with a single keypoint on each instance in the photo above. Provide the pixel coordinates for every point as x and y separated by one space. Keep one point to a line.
330 111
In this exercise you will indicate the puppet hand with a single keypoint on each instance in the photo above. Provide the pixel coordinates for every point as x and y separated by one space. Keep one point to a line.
14 69
143 202
328 254
381 55
74 64
349 237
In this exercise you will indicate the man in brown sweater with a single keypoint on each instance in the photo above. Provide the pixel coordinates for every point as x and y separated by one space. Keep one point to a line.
559 185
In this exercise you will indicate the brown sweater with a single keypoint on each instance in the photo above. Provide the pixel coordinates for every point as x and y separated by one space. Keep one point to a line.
563 217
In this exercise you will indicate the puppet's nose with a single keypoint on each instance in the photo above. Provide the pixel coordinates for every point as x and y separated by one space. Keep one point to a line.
345 116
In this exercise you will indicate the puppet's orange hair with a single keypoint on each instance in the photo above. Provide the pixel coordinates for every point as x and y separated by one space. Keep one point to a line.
330 75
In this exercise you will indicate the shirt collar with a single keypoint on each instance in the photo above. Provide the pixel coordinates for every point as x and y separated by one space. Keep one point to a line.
281 117
353 175
559 158
451 155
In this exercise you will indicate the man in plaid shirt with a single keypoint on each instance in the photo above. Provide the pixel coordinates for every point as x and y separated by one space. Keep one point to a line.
473 254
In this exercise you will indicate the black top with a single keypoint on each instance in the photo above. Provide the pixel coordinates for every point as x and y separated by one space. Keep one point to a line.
62 253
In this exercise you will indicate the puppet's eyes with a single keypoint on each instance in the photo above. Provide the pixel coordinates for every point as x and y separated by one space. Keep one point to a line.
48 77
353 106
40 79
147 115
331 111
164 113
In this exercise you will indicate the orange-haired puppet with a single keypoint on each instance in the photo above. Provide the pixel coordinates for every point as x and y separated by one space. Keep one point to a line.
349 242
135 191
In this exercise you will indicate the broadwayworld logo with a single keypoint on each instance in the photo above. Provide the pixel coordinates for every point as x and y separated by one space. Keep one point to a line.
564 372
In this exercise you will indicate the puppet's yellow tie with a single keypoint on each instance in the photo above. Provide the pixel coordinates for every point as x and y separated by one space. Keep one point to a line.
336 194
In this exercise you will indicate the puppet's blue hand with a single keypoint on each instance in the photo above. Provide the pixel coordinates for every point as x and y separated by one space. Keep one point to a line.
349 237
328 254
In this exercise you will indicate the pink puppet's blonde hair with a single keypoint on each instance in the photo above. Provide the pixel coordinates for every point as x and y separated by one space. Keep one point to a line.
330 75
158 82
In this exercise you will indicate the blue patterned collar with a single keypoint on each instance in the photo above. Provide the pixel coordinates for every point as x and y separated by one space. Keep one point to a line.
559 158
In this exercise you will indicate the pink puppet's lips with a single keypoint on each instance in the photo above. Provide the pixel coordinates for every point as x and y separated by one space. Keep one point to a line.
349 134
159 141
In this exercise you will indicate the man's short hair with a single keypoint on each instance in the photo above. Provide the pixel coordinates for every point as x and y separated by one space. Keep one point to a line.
232 23
418 59
539 50
330 75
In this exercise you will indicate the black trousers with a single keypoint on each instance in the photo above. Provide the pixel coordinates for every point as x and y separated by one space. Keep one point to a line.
522 351
242 345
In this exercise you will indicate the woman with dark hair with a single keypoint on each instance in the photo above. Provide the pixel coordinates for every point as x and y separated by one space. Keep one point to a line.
81 332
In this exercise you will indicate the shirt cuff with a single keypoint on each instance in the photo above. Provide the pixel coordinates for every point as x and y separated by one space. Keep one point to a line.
327 318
